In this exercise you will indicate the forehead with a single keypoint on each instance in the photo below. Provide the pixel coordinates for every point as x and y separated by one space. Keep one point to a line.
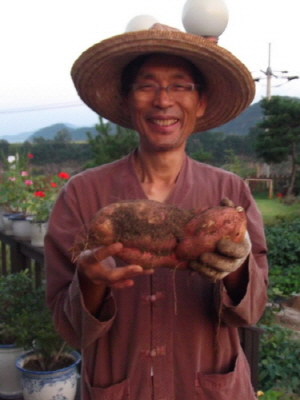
167 64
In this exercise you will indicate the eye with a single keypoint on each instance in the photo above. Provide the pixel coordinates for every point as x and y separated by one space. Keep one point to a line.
144 87
181 87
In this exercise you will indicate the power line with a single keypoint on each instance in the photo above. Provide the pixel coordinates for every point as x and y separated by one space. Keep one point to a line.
40 108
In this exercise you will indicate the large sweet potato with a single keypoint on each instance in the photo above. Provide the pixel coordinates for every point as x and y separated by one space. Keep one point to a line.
206 228
161 235
149 231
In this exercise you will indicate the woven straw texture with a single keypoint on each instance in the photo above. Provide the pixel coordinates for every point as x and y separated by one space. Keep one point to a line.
96 74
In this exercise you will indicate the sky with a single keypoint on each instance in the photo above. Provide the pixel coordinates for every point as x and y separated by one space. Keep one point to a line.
40 41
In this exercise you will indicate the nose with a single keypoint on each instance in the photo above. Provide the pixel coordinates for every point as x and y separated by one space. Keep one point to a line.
163 98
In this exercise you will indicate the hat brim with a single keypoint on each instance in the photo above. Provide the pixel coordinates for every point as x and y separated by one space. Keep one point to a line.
97 74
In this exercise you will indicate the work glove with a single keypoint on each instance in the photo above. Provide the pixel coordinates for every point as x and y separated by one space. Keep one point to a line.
227 257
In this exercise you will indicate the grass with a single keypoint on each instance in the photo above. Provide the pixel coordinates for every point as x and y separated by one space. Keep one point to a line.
272 208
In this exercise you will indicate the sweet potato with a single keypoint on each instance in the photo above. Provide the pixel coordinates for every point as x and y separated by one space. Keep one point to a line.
149 231
160 235
206 228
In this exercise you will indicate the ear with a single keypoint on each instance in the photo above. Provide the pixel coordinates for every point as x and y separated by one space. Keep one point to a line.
125 105
201 107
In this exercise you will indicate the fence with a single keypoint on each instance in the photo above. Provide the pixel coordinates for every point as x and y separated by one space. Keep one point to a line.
17 255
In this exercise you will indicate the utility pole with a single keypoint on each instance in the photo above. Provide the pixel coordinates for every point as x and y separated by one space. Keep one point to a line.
269 74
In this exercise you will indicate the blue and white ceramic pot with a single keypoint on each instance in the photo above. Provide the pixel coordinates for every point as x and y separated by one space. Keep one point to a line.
7 224
20 227
10 377
49 385
38 231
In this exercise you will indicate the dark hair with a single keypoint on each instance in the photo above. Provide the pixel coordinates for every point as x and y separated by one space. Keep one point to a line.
131 70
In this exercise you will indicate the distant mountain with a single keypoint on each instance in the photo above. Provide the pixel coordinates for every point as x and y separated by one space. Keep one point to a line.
242 124
49 133
246 120
18 138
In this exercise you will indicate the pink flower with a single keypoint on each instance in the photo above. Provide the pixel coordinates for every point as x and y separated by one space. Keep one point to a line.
29 155
28 182
12 179
24 173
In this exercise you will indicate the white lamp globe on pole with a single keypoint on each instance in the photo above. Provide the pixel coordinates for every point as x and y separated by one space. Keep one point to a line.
208 18
140 22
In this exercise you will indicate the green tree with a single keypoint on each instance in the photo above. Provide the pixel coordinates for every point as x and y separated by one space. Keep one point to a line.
278 139
63 136
111 143
199 154
236 165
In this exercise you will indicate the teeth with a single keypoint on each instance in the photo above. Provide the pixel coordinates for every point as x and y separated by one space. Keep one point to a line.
164 122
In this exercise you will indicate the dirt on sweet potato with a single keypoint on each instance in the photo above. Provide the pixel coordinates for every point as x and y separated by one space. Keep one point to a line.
161 235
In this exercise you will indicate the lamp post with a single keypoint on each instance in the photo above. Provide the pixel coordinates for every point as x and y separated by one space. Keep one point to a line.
207 18
140 22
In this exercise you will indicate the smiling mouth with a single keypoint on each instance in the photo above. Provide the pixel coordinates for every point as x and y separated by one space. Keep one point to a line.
164 122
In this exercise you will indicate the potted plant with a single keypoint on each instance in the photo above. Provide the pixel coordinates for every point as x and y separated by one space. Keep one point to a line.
16 290
15 192
49 367
41 203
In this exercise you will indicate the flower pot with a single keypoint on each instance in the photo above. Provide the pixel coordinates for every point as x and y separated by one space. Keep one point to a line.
7 224
1 220
37 233
10 376
20 227
44 385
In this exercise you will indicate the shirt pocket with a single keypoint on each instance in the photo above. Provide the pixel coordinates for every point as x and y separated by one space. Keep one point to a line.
118 391
234 384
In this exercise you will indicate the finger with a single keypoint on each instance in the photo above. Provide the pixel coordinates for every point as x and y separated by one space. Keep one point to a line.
207 271
232 249
225 202
98 254
124 273
212 273
124 283
103 252
219 262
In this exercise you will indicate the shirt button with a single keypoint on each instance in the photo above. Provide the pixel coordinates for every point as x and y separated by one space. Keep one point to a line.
153 297
153 353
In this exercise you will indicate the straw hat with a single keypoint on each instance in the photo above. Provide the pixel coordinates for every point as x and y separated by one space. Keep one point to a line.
97 73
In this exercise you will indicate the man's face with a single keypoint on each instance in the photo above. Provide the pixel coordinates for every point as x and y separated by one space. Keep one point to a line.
164 119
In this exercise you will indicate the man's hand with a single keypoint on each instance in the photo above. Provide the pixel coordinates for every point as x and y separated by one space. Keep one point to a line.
97 271
227 258
99 267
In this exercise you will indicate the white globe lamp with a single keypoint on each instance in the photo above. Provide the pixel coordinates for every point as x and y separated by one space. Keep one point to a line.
207 18
140 22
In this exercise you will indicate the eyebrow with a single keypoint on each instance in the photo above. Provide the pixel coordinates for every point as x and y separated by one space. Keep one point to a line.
177 75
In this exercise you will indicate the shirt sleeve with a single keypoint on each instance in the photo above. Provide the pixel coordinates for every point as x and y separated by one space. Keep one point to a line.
251 307
72 320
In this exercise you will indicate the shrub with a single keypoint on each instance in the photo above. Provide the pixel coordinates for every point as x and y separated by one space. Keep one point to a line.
279 359
16 293
283 238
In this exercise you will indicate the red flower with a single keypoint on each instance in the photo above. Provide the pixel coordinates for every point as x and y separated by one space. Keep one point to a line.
39 193
63 175
53 184
29 155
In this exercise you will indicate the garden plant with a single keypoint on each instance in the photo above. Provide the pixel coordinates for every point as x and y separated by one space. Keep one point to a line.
279 345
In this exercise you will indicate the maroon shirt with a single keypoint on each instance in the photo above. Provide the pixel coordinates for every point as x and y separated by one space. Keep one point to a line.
174 329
